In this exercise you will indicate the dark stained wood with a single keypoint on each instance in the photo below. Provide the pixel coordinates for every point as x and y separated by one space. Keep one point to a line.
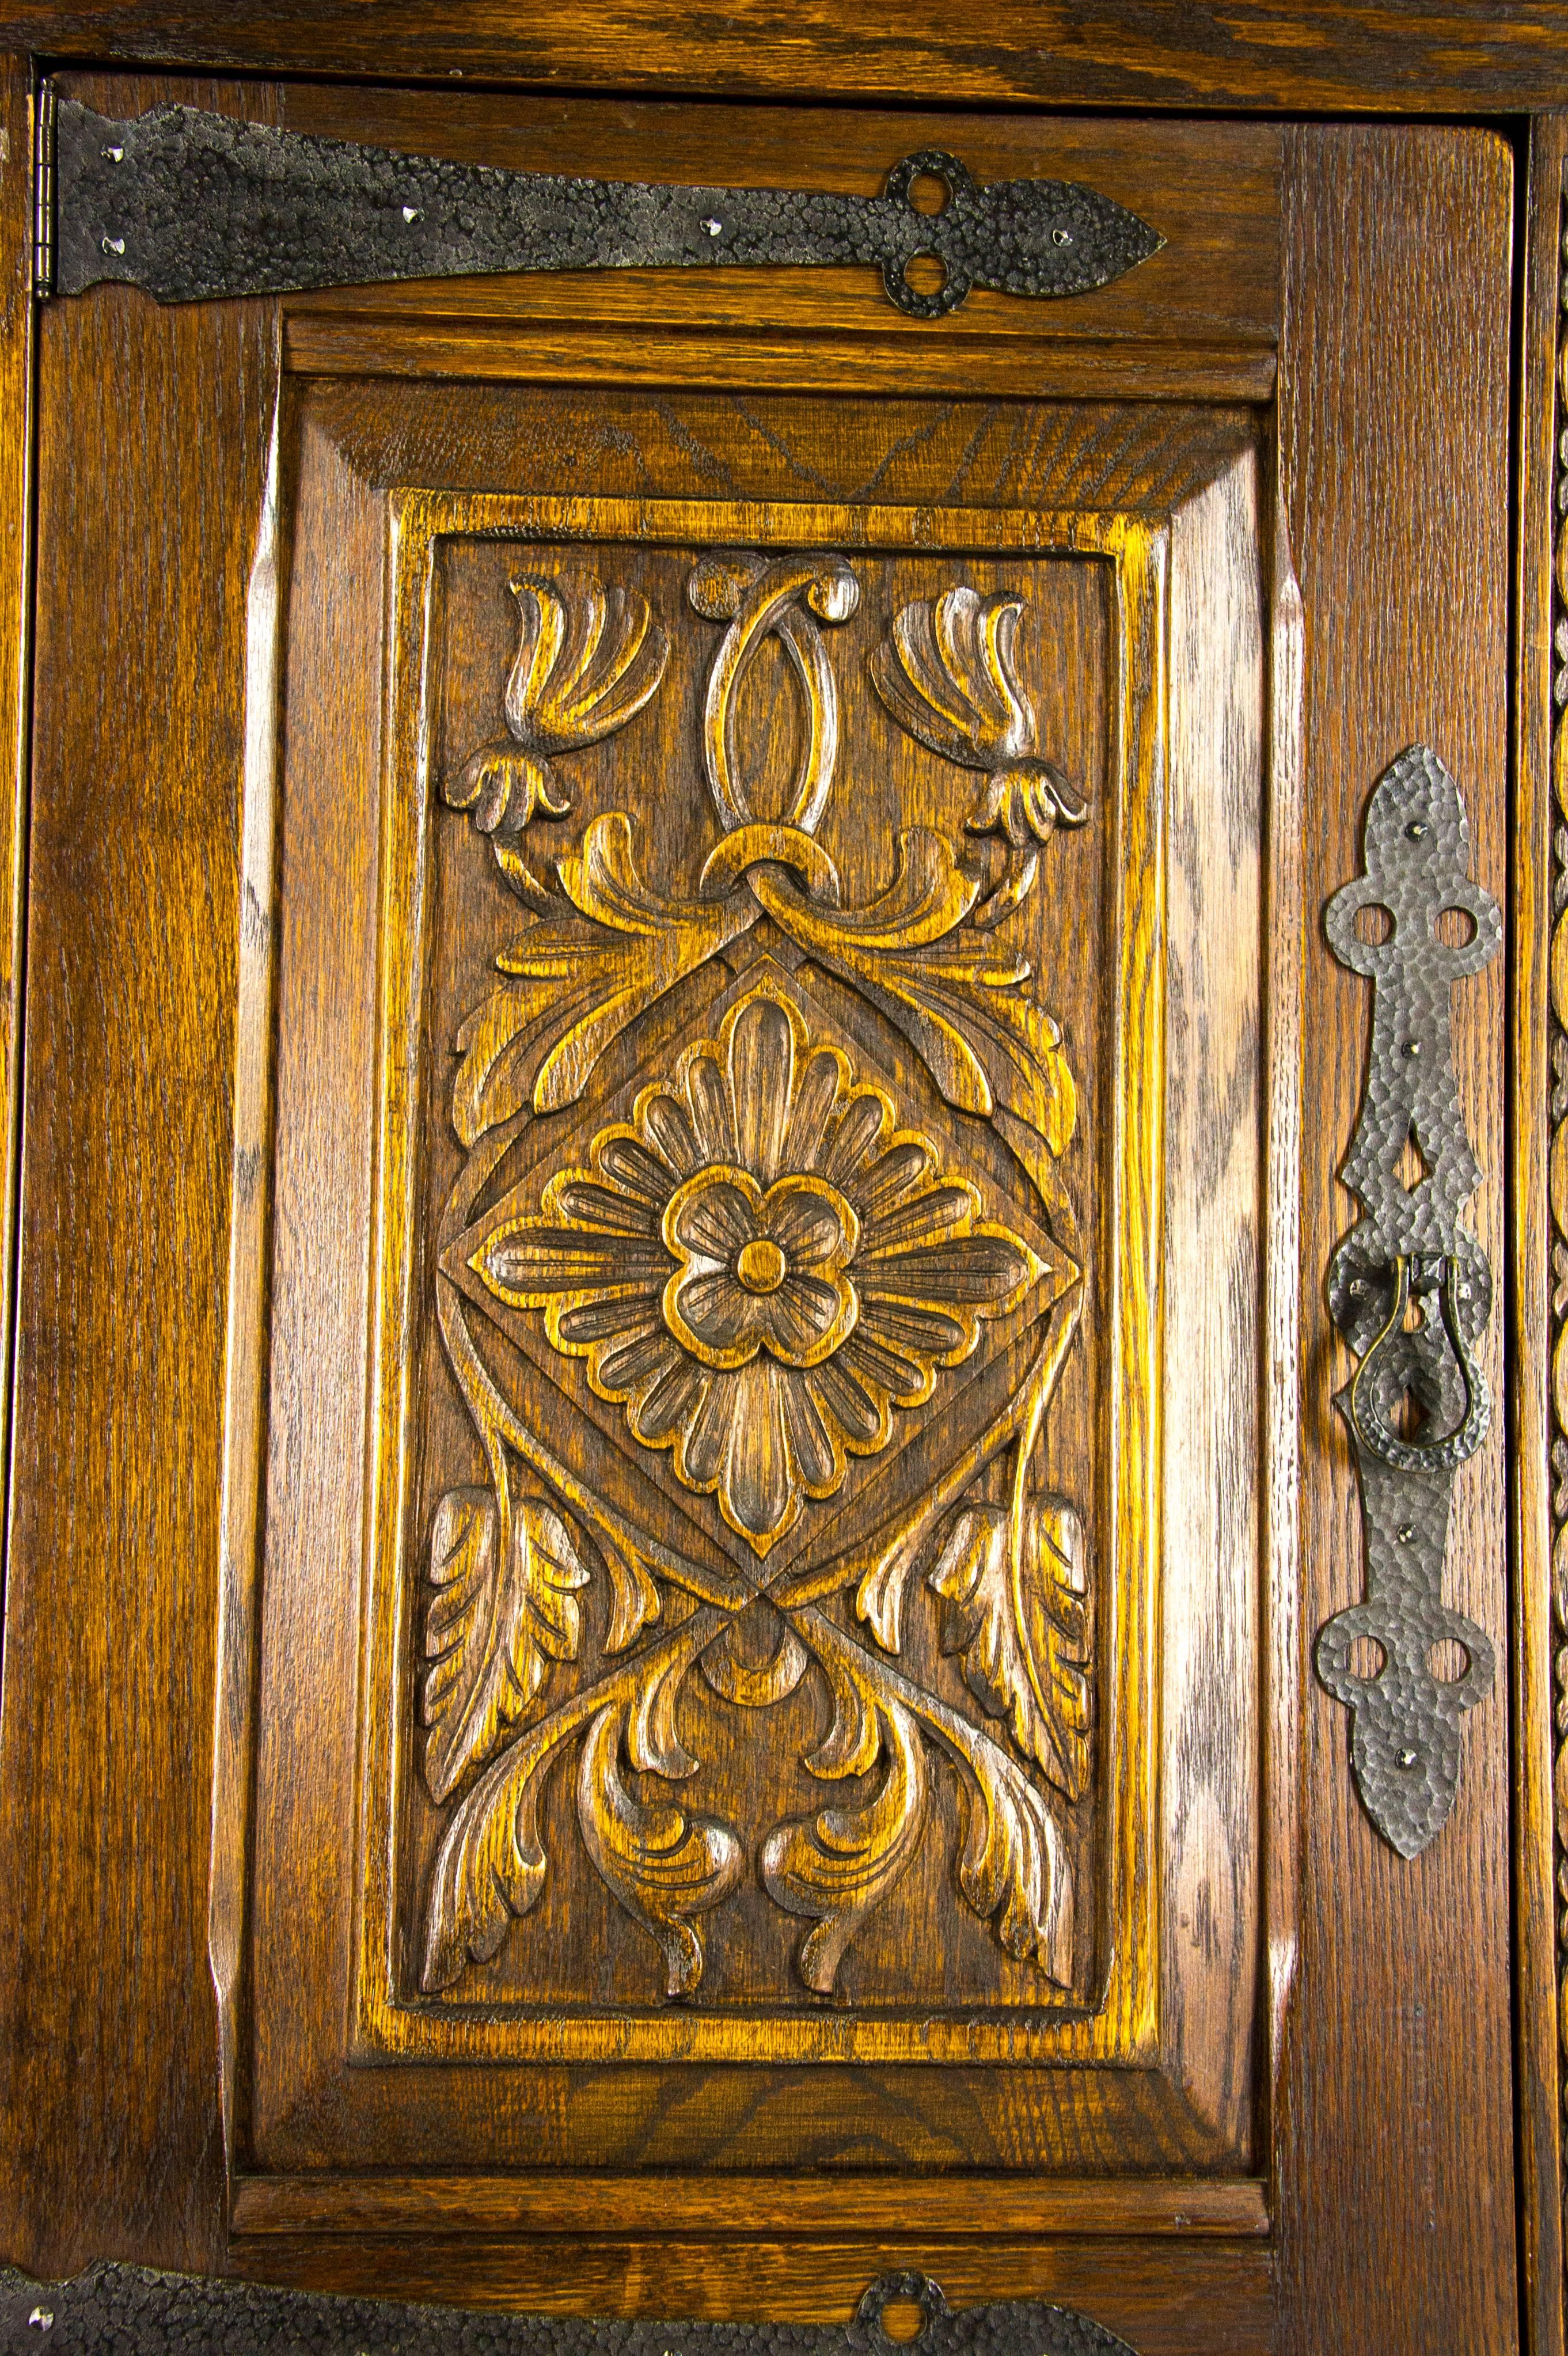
1290 55
1396 2156
105 1747
1537 1809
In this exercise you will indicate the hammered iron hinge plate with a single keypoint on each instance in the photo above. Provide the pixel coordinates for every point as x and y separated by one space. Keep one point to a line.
190 205
112 2310
1411 1290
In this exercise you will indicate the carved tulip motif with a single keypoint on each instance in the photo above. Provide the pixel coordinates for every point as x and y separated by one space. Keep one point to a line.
588 660
947 671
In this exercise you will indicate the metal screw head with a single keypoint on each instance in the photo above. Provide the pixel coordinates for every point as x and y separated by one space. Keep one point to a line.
411 212
42 2318
712 225
1412 1048
1061 237
113 244
1418 830
1408 1758
1407 1533
113 155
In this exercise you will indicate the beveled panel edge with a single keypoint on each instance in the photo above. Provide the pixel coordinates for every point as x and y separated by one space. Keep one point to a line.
760 2205
1123 2027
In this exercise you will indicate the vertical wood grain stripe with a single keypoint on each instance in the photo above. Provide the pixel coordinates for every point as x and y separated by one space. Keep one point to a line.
1540 1270
16 650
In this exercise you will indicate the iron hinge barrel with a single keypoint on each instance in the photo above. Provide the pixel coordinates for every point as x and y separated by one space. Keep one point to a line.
44 189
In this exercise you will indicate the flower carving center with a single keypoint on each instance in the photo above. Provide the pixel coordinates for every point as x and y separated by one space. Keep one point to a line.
760 1272
760 1266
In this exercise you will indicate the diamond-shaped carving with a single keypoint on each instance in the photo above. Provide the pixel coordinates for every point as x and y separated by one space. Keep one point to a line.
765 1267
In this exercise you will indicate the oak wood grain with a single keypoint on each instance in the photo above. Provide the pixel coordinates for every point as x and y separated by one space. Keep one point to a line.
1396 2162
1386 2127
324 343
752 2205
1211 190
1447 57
106 1744
690 444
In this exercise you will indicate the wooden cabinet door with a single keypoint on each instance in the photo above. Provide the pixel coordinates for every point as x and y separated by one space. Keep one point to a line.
675 1453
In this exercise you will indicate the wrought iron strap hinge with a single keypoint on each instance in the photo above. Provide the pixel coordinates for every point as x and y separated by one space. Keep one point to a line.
1411 1290
120 2310
190 205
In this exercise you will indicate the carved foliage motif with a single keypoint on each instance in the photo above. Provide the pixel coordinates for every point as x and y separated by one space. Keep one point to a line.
767 1267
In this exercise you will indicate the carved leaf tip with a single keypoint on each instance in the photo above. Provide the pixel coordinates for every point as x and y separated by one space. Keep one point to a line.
588 660
841 1863
499 1616
665 1867
1019 1619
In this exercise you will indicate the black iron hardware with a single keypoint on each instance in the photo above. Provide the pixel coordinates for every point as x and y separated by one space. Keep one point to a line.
1411 1290
115 2311
190 205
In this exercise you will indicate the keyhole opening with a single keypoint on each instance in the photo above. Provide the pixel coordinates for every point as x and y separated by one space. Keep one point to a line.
1413 1166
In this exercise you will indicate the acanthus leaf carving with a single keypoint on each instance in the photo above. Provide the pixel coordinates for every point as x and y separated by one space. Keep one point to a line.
504 1606
956 993
1014 1869
841 1863
665 1867
570 993
1017 1616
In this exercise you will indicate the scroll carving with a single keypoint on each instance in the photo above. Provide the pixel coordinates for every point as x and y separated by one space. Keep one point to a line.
768 1265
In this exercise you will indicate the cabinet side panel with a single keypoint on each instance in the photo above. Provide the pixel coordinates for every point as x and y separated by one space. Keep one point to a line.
1396 2186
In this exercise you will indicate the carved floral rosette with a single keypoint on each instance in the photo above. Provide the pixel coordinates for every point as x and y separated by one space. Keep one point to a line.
769 1268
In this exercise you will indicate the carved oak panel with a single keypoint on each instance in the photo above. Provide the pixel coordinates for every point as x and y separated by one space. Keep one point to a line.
786 1521
761 1565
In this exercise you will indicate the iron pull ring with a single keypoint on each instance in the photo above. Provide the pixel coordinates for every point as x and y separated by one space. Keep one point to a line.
1433 1274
